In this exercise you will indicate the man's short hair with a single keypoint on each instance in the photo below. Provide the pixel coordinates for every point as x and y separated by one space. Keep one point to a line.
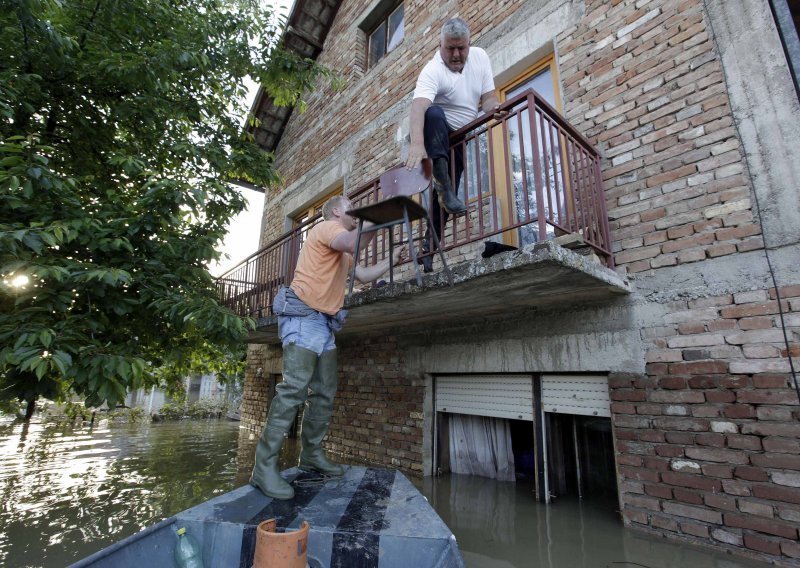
334 202
455 28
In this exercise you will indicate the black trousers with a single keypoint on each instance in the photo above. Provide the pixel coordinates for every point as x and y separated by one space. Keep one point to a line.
436 135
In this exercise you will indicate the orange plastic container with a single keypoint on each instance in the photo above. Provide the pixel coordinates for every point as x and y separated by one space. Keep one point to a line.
280 549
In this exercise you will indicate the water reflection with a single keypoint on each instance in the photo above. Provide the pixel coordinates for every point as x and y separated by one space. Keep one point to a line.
500 525
67 492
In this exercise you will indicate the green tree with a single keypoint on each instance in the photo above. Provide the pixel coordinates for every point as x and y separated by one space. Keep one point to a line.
119 126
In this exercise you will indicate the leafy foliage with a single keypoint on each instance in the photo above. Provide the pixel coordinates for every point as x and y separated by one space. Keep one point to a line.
202 408
119 130
75 411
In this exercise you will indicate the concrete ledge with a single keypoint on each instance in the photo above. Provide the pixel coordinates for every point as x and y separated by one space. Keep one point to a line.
540 275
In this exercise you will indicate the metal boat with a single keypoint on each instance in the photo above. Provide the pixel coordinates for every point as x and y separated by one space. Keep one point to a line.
369 517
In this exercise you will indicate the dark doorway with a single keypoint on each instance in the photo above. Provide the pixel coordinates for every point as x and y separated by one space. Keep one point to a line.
580 456
524 453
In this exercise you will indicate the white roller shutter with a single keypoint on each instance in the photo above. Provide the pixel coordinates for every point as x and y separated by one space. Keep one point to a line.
586 395
499 396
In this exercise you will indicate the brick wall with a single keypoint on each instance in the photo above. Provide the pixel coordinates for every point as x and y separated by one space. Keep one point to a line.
263 363
708 439
378 410
378 413
643 81
640 79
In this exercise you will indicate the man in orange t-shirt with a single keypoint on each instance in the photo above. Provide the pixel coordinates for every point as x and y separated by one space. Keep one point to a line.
316 297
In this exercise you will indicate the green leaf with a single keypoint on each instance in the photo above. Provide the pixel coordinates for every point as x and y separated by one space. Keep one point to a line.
123 369
62 361
40 368
46 337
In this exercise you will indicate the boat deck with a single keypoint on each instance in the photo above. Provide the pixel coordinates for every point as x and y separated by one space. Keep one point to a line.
370 517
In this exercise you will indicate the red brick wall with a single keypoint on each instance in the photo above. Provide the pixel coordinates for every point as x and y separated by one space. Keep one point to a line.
263 367
377 415
646 85
708 436
708 439
378 412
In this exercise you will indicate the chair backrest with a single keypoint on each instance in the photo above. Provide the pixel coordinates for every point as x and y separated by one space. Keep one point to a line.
402 181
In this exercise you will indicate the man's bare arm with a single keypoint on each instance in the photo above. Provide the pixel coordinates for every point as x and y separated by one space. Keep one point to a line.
346 242
490 104
416 152
366 274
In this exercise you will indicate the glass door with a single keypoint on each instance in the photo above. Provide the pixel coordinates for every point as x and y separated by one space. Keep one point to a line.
526 154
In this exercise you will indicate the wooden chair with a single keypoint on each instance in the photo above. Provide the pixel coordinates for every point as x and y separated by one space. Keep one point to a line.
398 185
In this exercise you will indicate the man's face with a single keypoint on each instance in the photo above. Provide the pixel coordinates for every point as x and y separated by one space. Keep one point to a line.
454 52
346 220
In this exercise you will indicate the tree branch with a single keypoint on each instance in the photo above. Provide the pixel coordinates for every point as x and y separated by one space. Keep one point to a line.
89 24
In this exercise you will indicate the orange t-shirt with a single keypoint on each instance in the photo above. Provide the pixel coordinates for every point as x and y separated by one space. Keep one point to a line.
321 274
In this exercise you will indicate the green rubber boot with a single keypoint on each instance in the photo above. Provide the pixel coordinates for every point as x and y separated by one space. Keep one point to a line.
313 454
265 476
317 416
298 368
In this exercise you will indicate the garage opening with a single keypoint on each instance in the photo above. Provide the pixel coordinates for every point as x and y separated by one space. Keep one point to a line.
554 430
484 425
579 442
581 456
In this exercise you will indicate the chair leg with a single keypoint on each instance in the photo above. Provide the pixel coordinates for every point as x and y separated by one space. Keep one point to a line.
411 250
441 253
355 257
391 255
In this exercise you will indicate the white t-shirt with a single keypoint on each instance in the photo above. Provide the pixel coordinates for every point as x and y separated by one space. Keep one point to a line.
459 94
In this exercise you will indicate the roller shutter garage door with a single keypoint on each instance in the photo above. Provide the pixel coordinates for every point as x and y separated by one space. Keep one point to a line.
586 395
499 396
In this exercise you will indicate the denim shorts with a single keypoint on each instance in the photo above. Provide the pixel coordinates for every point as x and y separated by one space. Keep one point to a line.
311 332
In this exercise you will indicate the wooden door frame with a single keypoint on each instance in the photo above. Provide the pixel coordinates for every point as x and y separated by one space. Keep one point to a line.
502 189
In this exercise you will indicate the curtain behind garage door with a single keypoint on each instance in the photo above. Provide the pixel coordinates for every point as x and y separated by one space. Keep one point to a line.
480 445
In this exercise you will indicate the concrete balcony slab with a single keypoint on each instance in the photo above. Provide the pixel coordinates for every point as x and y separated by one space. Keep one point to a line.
543 275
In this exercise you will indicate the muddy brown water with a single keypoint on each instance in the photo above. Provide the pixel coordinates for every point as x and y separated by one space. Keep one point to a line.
66 492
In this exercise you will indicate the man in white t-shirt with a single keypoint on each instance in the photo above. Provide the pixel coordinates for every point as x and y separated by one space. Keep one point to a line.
450 89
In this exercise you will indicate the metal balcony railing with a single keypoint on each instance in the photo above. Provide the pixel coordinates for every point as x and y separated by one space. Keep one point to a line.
528 177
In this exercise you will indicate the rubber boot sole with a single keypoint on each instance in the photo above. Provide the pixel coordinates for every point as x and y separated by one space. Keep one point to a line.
460 211
307 467
280 496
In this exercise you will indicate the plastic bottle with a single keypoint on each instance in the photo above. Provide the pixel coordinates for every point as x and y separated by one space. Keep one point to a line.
187 551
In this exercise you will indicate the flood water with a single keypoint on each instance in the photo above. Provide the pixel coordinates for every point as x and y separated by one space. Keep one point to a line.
70 491
500 525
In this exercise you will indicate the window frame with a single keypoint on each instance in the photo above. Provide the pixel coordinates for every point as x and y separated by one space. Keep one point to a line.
315 207
546 62
529 73
383 22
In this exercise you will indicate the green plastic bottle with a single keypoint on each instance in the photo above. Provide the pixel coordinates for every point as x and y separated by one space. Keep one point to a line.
187 551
